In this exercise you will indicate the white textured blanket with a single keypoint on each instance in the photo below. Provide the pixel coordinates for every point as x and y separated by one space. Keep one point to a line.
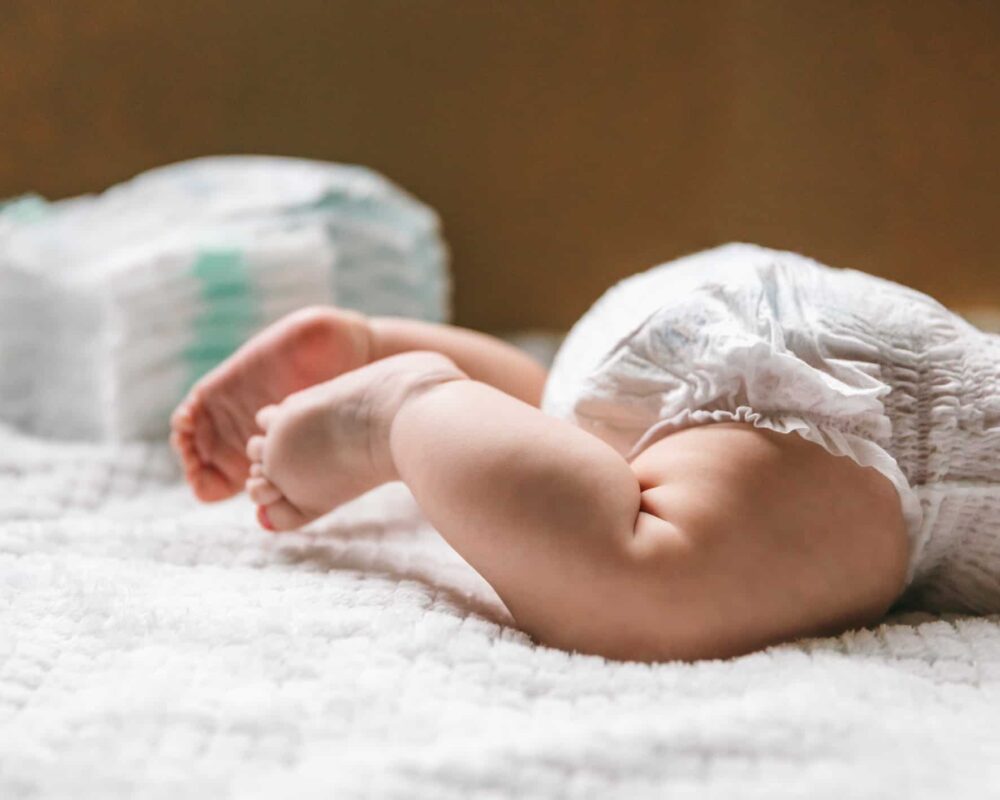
153 648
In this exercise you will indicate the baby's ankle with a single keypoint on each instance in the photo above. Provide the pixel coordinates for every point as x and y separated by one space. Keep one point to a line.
408 377
362 334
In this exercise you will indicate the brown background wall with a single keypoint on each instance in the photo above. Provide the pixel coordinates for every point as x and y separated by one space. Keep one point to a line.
566 144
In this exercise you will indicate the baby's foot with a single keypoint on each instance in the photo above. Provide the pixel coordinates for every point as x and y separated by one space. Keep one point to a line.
213 424
329 444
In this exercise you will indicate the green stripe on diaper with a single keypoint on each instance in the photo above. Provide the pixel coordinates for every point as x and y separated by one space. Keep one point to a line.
230 311
221 272
25 208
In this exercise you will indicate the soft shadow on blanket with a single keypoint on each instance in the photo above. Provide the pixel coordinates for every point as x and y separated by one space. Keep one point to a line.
324 551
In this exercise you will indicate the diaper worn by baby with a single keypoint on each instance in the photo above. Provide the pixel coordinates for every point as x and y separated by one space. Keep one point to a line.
864 367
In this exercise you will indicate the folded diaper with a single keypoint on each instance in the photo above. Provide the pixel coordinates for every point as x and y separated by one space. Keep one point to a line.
111 306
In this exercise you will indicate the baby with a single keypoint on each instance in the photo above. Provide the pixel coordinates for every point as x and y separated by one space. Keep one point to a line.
738 448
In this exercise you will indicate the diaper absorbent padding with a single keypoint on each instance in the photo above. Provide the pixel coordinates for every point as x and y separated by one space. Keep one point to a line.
867 368
111 306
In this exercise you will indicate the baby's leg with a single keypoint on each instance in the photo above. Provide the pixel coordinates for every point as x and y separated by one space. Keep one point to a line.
211 427
714 542
480 356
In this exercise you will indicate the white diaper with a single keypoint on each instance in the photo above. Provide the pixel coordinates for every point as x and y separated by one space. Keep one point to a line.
864 367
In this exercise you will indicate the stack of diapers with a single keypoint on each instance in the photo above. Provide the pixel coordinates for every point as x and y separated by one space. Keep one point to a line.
111 306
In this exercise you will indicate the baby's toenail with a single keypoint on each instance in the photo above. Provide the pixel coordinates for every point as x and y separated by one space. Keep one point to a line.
263 519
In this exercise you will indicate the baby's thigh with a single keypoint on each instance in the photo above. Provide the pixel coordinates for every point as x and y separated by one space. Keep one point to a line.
783 539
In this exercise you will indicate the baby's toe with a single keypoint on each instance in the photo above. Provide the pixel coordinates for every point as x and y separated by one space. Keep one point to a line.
265 417
209 484
255 448
182 420
183 445
262 491
281 516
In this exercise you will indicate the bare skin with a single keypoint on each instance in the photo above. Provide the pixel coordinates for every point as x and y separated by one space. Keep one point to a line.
713 542
211 427
328 444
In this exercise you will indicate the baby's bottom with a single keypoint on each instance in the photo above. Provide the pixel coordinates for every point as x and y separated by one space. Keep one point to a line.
713 542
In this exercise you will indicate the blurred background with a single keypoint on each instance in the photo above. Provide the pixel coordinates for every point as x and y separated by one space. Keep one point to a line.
565 144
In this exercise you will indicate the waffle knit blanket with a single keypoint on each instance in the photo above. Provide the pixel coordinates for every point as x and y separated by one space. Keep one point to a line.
150 647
